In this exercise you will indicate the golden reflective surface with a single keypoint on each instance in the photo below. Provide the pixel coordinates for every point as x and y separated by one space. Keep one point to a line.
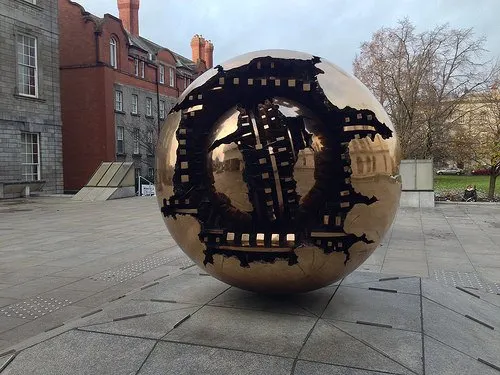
271 179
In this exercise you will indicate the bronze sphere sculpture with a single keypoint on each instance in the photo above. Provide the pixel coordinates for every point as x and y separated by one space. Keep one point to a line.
277 172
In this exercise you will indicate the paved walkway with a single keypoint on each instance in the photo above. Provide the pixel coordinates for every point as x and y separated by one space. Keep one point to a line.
62 259
367 324
452 243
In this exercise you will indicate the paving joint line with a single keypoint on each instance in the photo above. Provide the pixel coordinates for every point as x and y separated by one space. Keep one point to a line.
468 292
318 318
479 322
383 290
8 361
370 346
489 364
422 326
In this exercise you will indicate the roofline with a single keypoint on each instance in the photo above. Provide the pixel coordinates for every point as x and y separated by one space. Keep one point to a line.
98 28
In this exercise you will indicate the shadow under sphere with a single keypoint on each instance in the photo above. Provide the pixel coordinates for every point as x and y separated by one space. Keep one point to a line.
277 172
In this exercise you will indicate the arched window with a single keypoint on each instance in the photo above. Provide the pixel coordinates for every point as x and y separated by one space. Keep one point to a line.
374 164
112 53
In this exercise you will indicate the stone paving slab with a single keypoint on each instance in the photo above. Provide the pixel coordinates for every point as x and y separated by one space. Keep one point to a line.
356 304
95 255
246 330
83 353
66 250
173 359
329 344
140 335
309 304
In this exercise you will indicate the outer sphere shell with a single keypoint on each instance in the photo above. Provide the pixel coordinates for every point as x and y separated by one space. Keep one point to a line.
278 172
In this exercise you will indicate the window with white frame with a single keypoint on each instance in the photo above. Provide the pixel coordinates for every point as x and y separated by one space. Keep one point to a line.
149 107
136 141
118 101
135 103
162 109
143 69
136 67
172 77
185 82
120 133
27 65
162 74
30 144
112 53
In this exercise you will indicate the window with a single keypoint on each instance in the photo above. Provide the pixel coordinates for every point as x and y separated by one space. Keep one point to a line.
162 74
30 156
151 172
143 69
162 109
27 65
172 77
150 145
112 53
136 67
149 107
120 132
31 1
185 82
136 141
118 101
135 101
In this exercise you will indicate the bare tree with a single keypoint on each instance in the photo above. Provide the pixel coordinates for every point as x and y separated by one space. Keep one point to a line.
421 78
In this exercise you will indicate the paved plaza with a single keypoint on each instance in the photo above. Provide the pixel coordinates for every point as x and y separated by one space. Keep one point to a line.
108 275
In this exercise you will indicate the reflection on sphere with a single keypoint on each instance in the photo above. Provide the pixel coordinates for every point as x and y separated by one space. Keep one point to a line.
278 172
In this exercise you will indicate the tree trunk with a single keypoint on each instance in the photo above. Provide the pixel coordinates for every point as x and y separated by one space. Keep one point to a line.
491 189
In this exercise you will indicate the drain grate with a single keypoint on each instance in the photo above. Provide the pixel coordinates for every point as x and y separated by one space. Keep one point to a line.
465 279
34 307
133 269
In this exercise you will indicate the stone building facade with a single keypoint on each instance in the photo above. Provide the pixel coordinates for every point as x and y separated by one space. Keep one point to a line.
30 111
116 89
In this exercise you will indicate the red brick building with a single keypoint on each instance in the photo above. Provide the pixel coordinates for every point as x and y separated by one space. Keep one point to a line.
116 88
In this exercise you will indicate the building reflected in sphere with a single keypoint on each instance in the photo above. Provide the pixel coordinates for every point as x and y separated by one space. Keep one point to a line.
278 172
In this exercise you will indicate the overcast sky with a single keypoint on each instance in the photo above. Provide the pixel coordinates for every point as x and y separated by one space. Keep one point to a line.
333 29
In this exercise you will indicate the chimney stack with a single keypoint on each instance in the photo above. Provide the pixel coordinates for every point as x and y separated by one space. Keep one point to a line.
196 48
129 14
209 54
202 50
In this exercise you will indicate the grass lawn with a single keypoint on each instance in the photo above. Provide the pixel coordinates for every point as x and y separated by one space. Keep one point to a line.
455 185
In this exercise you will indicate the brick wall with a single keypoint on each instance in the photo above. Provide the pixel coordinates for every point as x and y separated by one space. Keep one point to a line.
39 115
88 84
